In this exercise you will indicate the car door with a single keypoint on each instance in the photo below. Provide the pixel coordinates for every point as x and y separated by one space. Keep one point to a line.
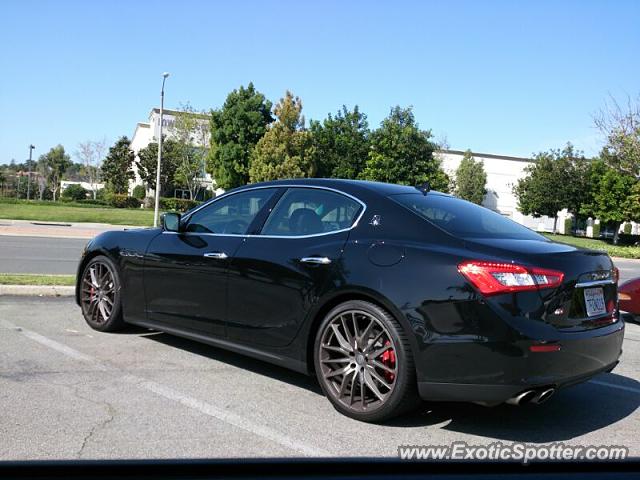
276 276
185 273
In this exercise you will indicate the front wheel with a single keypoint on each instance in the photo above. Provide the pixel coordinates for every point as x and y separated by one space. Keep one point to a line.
100 295
364 364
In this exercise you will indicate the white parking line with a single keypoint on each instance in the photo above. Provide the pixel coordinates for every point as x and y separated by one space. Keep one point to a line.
613 385
47 342
228 417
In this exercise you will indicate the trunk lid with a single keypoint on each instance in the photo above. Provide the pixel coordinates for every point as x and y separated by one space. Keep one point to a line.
587 297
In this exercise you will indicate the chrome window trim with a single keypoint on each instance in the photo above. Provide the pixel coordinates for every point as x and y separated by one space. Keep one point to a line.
340 192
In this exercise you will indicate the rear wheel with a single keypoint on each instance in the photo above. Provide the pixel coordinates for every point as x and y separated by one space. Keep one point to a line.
100 295
364 363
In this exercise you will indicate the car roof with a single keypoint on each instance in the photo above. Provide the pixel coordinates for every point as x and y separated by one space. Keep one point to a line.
348 186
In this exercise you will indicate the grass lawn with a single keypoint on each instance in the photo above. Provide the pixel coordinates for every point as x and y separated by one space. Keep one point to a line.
35 279
595 244
64 212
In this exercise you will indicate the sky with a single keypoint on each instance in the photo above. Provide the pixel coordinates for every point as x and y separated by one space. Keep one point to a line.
503 77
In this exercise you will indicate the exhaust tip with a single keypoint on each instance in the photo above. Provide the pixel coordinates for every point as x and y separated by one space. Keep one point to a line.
522 398
543 395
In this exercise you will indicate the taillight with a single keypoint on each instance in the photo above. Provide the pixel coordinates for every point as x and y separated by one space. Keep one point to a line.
492 278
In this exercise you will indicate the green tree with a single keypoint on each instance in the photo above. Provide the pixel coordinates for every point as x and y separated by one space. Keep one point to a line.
620 126
471 179
286 149
341 144
75 192
235 130
91 155
632 205
614 199
191 135
595 171
42 179
117 166
402 153
554 181
139 192
57 162
147 163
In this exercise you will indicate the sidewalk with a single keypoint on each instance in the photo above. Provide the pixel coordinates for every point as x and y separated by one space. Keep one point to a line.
37 291
35 228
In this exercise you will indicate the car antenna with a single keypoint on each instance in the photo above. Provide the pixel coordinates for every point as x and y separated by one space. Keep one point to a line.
424 188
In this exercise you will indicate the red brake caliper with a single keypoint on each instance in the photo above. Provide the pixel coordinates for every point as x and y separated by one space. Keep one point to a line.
389 360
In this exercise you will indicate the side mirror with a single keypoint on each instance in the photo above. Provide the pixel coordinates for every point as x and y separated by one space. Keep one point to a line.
171 222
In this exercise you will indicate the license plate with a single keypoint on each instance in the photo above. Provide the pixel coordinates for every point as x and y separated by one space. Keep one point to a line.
594 301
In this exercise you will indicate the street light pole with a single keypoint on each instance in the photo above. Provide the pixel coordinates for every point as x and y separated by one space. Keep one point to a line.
155 211
31 147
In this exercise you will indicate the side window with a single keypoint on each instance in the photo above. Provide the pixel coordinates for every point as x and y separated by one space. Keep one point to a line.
231 215
309 211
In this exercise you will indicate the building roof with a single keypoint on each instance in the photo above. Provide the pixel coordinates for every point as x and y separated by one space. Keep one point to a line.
490 155
139 125
204 116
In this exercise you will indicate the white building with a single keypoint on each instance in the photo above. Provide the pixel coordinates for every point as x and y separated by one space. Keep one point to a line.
90 187
503 172
149 132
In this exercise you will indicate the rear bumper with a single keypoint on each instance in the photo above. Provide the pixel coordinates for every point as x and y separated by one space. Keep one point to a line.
492 394
500 371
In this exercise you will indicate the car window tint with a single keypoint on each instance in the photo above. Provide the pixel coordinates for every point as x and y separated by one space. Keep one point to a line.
308 211
230 215
464 219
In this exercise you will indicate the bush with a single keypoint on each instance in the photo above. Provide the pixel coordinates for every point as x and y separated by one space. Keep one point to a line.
177 204
91 201
596 230
139 192
627 228
74 192
120 200
568 223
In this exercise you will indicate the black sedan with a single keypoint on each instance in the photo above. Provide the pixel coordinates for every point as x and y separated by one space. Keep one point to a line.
387 293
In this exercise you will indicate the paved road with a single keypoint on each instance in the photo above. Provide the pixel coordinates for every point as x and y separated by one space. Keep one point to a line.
40 254
60 256
628 268
69 392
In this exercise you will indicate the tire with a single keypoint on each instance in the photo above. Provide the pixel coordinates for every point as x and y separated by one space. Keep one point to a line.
342 371
100 298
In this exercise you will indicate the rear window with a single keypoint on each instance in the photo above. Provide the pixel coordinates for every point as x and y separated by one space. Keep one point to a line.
464 219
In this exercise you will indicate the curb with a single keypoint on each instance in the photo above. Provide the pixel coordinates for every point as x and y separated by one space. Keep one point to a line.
37 290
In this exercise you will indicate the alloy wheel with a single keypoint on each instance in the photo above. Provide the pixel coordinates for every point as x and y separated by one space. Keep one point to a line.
358 360
98 293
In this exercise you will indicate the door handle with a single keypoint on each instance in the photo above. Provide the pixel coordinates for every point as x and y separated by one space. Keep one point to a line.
216 255
316 260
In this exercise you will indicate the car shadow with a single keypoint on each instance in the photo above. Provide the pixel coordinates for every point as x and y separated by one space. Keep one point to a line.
240 361
570 413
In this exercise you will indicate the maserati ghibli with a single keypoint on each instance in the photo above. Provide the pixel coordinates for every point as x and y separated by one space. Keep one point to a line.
388 294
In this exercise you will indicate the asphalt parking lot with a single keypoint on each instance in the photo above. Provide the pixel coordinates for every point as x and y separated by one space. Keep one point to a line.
69 392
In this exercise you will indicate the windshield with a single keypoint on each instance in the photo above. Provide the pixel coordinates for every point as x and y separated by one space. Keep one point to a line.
464 219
